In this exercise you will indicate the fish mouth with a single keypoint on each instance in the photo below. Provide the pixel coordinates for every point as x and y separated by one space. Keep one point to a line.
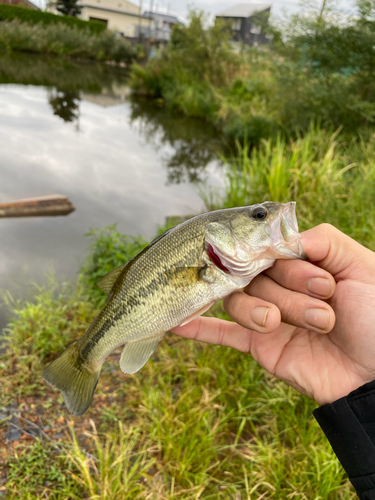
285 235
215 259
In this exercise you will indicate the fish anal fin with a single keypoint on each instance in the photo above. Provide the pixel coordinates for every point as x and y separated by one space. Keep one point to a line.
197 314
106 283
136 354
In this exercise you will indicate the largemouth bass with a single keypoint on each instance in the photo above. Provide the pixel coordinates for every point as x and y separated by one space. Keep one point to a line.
172 281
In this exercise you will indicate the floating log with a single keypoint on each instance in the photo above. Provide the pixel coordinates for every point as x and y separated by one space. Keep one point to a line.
44 205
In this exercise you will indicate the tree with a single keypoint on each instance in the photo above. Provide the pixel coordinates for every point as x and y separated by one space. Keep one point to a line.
68 7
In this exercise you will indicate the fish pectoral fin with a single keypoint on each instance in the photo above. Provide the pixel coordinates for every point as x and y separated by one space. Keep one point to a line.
197 314
136 354
183 276
106 283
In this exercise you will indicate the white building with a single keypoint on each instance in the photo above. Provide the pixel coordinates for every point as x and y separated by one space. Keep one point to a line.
119 15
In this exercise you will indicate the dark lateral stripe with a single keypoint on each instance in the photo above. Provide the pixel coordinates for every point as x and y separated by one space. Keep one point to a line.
139 296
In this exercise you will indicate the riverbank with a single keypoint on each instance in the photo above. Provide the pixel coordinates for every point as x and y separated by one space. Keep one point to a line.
197 420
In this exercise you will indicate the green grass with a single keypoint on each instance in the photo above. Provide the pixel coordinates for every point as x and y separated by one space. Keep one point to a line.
197 421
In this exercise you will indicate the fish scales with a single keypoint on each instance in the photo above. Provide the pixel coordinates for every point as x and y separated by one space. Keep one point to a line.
178 276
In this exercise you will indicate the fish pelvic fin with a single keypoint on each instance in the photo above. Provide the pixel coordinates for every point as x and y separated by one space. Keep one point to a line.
75 381
136 354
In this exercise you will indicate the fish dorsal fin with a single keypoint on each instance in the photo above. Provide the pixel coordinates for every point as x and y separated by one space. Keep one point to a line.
136 354
106 283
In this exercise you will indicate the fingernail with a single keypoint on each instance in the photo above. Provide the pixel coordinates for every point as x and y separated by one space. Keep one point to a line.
320 286
259 315
318 318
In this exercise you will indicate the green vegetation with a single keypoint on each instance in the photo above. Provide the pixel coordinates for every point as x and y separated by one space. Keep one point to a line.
31 16
331 180
62 40
317 68
196 422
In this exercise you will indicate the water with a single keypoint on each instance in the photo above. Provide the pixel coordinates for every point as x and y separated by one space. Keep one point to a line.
73 130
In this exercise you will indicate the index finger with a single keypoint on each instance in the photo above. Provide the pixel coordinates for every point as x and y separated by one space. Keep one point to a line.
216 331
337 253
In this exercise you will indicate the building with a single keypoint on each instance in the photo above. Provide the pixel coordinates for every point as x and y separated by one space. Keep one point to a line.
118 15
161 26
242 21
21 3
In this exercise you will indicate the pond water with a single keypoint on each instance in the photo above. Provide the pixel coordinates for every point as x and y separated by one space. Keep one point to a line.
75 130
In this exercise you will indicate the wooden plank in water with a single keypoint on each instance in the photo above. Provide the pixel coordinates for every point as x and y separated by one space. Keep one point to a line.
44 205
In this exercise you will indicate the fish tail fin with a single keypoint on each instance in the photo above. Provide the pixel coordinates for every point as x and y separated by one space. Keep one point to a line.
75 381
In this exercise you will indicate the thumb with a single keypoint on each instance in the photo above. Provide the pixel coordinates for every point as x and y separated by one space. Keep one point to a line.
338 254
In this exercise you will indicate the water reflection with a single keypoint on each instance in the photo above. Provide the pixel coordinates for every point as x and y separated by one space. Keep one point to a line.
64 104
65 75
194 142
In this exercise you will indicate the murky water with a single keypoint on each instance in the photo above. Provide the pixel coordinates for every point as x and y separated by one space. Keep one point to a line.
74 130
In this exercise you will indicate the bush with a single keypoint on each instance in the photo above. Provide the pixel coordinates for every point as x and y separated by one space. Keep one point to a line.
195 62
10 12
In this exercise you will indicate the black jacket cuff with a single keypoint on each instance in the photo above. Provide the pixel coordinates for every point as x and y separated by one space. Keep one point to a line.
349 424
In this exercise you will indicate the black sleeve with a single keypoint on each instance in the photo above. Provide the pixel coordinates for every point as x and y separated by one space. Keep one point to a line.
349 424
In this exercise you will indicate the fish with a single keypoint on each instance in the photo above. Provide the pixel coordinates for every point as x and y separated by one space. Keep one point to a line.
175 279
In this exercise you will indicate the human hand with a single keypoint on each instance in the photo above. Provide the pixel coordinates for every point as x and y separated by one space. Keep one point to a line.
311 325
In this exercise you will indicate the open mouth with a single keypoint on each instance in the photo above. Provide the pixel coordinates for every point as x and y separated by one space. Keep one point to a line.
215 259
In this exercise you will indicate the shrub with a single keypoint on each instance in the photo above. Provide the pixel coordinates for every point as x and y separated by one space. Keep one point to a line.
11 12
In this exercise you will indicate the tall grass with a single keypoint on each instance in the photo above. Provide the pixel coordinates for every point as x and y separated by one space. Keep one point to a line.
197 421
62 40
330 179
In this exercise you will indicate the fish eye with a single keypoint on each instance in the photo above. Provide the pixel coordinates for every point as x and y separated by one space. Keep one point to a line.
259 213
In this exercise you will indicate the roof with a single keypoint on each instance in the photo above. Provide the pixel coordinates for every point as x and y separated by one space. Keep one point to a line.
244 9
107 9
165 17
21 3
31 5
